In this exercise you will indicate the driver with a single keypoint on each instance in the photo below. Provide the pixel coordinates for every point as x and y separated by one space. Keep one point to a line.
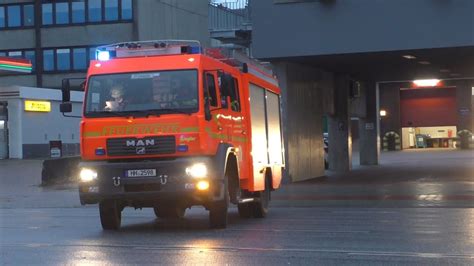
118 102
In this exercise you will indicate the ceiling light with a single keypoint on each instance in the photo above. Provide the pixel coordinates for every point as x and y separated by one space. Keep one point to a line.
426 82
409 57
424 62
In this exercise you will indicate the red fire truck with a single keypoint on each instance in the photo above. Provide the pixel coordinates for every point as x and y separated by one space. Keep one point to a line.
169 125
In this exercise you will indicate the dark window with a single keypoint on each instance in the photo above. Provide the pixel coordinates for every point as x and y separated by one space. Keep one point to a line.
48 60
78 12
79 59
31 56
95 10
235 97
126 9
62 13
47 14
111 10
28 15
2 17
14 16
63 59
211 93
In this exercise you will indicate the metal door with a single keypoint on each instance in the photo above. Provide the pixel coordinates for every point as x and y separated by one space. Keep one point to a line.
3 131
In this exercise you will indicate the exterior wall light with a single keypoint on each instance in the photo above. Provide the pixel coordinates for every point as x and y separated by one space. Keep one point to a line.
426 82
383 113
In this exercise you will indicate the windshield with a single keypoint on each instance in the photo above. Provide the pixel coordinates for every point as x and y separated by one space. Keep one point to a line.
142 93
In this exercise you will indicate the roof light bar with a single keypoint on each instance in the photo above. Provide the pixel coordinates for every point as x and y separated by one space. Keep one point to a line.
147 48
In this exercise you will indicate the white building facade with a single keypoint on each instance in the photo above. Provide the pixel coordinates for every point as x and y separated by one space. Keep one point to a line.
30 120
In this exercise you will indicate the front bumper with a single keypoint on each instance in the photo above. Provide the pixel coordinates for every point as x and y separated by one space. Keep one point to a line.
171 184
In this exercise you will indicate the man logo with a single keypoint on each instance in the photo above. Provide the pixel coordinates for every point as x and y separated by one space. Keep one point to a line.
140 143
140 150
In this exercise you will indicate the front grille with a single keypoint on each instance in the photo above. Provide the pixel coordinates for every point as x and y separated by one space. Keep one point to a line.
141 187
145 146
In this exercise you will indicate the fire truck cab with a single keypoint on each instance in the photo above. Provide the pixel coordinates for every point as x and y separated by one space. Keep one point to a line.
169 125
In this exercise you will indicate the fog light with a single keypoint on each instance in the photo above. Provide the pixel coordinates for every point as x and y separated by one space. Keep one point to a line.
87 175
202 185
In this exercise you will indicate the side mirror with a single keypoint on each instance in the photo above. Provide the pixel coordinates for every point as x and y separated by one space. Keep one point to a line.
66 90
65 107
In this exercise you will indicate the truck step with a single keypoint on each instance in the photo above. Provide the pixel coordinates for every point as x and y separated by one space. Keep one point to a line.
248 200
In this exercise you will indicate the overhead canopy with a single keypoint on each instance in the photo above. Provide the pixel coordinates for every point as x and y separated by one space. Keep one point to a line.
9 65
441 63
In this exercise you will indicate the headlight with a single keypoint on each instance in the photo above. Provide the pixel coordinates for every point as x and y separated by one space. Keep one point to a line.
198 170
87 175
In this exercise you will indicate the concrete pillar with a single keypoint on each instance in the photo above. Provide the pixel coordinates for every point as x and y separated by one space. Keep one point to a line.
369 128
301 100
340 143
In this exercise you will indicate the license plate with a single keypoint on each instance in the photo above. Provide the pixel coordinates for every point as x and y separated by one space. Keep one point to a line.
141 173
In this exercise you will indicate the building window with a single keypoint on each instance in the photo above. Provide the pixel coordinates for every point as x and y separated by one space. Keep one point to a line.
127 9
2 17
86 11
111 10
78 12
28 15
30 55
62 13
47 14
79 58
48 60
14 16
15 54
95 10
66 59
63 59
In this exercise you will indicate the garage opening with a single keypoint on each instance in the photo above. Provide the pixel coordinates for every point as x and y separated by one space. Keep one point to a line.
428 118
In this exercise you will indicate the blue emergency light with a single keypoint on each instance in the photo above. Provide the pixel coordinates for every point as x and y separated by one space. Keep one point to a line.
103 55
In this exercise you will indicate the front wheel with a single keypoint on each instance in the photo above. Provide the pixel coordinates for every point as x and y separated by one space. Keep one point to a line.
218 210
110 215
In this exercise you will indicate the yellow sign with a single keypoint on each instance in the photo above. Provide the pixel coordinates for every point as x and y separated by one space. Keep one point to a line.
37 106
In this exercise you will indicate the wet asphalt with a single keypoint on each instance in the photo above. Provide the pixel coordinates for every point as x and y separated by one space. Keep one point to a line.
416 208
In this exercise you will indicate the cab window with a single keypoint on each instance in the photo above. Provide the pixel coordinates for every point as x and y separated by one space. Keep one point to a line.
234 96
210 93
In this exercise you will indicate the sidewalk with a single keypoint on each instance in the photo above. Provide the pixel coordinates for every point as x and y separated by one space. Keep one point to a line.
421 178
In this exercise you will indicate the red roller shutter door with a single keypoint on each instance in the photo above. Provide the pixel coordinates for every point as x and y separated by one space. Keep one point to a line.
428 107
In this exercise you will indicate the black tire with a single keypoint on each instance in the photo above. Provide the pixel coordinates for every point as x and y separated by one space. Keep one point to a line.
110 215
245 210
218 210
169 212
260 208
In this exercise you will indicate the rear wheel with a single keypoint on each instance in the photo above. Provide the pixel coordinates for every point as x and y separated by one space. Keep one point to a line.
260 208
169 212
110 215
